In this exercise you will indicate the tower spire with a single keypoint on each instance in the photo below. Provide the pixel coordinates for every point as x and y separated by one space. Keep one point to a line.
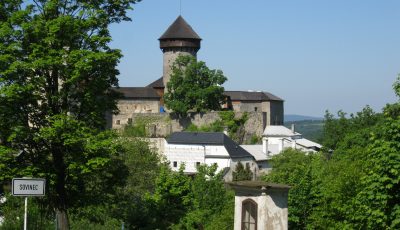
178 39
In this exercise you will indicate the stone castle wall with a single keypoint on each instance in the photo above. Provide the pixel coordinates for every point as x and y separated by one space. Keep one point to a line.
164 124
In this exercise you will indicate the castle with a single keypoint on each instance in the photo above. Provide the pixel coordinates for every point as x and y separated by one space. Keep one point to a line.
181 39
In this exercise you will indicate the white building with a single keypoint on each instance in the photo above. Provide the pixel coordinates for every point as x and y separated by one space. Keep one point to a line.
277 138
193 148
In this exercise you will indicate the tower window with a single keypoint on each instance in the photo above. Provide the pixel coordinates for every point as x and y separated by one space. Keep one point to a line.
175 164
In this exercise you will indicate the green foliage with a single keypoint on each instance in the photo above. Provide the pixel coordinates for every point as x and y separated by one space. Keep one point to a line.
309 129
295 168
353 186
209 198
182 202
335 129
144 166
138 129
234 126
194 87
172 193
56 72
242 173
13 212
377 204
216 126
255 140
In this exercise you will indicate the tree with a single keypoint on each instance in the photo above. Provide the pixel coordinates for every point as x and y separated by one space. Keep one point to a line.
377 204
295 168
170 200
56 74
241 173
194 87
209 199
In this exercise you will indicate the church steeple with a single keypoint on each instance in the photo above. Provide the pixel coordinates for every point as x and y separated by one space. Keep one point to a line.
178 39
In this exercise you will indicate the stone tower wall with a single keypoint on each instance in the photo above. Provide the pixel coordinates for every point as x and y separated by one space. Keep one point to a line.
169 58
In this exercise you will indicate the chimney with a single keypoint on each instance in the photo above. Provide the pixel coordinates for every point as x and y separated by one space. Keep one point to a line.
226 131
281 145
293 130
265 145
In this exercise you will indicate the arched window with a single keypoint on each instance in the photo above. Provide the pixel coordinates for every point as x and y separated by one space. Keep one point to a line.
249 215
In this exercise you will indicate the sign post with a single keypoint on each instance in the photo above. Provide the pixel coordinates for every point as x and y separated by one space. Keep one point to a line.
28 187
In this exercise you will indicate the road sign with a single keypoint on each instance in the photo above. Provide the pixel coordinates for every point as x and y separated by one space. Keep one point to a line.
28 187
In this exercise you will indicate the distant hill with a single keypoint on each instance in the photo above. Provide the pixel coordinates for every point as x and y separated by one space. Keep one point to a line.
295 117
310 127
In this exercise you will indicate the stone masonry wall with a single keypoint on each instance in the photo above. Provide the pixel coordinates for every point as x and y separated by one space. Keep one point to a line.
164 124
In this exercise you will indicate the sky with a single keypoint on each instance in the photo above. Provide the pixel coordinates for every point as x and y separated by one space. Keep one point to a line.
316 55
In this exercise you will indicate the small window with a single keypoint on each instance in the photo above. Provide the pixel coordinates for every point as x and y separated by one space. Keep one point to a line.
118 122
249 215
175 164
255 109
247 165
197 164
129 120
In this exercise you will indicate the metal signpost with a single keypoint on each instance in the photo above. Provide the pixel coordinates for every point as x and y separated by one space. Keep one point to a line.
28 187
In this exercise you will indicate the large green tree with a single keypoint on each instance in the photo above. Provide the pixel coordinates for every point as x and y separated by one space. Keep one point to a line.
56 72
194 87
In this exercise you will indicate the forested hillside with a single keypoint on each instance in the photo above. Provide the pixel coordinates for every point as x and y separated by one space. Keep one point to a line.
310 129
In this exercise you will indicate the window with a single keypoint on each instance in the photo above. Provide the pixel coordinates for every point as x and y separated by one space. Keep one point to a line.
118 122
129 120
175 164
197 164
249 215
255 109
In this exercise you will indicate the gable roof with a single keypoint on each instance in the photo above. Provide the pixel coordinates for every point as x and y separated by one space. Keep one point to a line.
138 92
209 138
159 83
251 96
180 29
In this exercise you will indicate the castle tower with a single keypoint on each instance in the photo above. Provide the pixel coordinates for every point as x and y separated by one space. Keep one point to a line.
178 39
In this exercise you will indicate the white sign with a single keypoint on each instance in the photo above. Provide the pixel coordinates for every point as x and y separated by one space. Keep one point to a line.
28 187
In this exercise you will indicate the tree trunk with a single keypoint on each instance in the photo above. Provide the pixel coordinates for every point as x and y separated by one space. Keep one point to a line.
62 219
61 197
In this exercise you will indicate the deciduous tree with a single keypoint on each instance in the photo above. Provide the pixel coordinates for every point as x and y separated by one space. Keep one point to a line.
56 74
194 87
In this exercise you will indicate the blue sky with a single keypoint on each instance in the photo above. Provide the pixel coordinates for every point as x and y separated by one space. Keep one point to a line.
316 55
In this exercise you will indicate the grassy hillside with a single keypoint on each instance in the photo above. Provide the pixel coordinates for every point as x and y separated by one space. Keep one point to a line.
310 129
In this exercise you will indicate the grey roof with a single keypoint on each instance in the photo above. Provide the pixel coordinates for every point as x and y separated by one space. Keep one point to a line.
256 151
209 138
159 83
251 96
138 92
180 29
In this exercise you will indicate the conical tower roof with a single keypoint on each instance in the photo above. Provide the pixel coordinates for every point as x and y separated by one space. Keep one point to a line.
180 29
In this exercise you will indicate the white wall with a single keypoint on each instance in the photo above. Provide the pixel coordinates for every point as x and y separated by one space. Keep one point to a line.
191 154
272 212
